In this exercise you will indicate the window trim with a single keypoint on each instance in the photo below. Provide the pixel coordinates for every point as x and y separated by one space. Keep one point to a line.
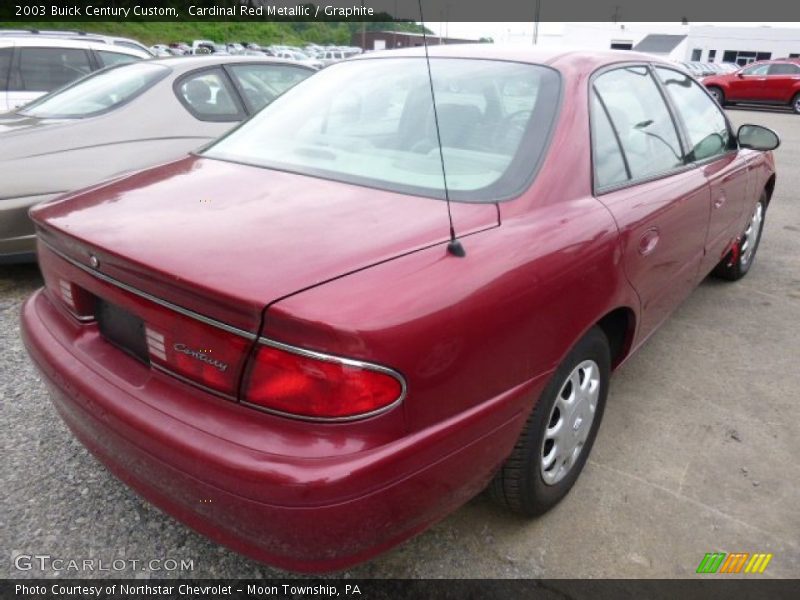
241 113
685 166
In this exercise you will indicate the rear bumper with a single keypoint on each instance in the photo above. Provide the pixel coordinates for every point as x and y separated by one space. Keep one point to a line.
301 513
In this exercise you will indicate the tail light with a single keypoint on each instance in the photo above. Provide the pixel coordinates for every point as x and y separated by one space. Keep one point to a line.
307 384
200 353
78 301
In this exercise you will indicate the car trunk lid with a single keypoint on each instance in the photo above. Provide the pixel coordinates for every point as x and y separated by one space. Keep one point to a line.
224 240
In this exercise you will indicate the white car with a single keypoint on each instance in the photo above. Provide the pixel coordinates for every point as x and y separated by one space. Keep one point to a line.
81 36
300 57
203 46
332 56
32 65
160 50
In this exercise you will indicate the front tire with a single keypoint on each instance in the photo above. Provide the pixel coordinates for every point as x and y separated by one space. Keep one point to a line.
717 94
796 104
558 436
737 263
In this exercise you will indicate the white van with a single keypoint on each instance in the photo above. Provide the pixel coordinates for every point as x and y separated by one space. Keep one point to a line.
31 66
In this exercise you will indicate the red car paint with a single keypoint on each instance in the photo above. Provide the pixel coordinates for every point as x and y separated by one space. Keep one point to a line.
778 84
475 338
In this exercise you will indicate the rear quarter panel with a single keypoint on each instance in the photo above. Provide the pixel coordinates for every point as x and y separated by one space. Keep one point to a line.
464 330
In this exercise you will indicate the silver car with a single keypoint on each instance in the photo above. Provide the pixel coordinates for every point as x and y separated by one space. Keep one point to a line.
123 119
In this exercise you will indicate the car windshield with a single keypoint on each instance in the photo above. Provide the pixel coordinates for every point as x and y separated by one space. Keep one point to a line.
371 122
99 92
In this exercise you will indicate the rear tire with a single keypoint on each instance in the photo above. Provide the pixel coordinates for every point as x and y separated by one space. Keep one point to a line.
736 264
717 94
560 431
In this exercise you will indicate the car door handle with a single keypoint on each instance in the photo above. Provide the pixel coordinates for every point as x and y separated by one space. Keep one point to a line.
720 201
648 241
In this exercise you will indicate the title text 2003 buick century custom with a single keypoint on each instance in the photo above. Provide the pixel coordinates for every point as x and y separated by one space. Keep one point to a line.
277 342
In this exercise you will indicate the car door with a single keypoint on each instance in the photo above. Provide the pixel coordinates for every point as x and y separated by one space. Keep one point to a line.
38 70
783 82
713 150
659 202
749 83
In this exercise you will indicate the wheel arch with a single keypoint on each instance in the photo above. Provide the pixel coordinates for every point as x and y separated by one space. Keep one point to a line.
769 188
619 326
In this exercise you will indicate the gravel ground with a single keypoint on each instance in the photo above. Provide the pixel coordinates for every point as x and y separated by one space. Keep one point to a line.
697 452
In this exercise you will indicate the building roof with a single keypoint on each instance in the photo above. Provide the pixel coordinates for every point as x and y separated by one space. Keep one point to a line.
659 42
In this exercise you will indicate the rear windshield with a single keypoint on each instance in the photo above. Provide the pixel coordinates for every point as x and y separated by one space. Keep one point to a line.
97 93
371 122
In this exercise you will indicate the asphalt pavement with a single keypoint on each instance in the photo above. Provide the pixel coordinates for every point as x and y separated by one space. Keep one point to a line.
698 452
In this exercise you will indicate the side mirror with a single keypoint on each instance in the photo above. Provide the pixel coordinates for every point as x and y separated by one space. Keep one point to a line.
740 74
757 137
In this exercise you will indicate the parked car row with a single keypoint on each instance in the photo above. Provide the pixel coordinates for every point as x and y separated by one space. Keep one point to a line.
701 69
311 55
770 82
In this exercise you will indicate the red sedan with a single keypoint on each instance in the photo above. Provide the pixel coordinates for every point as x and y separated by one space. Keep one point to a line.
277 341
775 82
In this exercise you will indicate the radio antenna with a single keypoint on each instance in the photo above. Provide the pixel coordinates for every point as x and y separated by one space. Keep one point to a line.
454 247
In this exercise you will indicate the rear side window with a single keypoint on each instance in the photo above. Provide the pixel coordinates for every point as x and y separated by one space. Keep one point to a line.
208 96
756 70
784 69
261 84
110 59
705 124
607 159
5 65
45 69
641 120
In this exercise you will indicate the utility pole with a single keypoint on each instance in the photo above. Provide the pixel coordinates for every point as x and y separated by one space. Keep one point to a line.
394 26
363 29
537 10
